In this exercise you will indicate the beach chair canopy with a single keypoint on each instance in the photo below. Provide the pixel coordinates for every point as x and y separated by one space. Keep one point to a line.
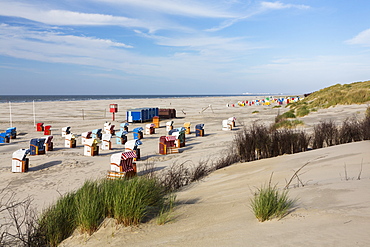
199 126
121 134
169 123
232 118
96 131
71 136
91 141
128 155
124 125
138 129
21 154
151 125
106 137
187 124
86 134
48 139
132 144
170 138
66 129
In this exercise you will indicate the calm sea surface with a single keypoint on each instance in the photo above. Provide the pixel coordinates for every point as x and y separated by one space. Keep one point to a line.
30 98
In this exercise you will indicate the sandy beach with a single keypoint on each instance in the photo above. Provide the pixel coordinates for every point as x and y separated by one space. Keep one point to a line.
332 210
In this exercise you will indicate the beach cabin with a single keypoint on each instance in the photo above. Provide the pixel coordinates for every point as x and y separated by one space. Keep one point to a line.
91 147
47 130
96 133
70 141
226 125
66 131
121 137
132 145
199 130
167 145
138 133
108 128
49 146
106 143
124 127
150 129
4 138
122 165
169 125
187 128
11 132
40 127
141 114
156 121
20 162
85 136
37 146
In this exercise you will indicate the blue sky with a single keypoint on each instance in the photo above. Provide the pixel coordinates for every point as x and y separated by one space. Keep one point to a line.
181 46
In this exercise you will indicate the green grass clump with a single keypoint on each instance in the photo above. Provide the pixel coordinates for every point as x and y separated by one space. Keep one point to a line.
58 221
288 124
302 111
253 112
269 203
165 215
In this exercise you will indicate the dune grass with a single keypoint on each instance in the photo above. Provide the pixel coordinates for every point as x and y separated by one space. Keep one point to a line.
268 203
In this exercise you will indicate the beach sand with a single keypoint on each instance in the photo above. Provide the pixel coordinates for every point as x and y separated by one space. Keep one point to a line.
332 210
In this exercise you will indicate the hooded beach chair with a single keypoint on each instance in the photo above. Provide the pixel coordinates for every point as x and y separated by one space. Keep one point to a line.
108 128
138 133
150 129
232 120
96 133
70 141
179 133
91 147
4 138
47 130
124 127
40 127
132 145
66 131
156 121
20 162
49 146
167 145
187 127
122 165
85 136
169 125
106 143
121 137
199 130
37 146
11 132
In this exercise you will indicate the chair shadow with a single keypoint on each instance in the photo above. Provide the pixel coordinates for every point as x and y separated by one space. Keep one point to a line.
45 165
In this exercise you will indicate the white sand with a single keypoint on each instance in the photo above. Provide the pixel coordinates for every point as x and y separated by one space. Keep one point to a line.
332 211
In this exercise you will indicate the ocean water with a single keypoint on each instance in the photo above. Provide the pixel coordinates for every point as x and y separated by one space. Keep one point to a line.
40 98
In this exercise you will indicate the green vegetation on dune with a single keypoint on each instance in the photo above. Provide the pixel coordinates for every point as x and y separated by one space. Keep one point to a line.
346 94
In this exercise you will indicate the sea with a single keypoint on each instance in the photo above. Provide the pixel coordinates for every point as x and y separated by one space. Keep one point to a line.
41 98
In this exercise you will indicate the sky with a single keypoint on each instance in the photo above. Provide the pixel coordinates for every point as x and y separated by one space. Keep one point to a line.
174 47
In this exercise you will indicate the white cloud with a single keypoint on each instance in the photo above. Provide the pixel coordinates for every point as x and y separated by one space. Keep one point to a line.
279 5
362 38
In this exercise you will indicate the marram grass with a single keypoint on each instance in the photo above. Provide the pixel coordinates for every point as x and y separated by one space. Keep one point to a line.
269 203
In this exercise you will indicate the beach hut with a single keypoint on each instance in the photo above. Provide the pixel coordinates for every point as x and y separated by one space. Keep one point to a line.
124 127
91 147
169 125
49 146
96 133
187 128
156 121
20 162
150 129
85 136
226 125
4 138
66 131
199 130
122 165
121 137
138 133
167 145
11 132
132 145
70 141
109 128
37 146
167 113
47 130
106 143
40 127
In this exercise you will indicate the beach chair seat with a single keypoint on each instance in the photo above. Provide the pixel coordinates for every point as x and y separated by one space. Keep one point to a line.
66 131
199 130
